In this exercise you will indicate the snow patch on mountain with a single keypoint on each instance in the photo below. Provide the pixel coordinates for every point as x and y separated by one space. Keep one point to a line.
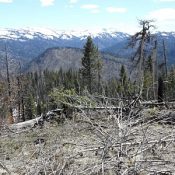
50 34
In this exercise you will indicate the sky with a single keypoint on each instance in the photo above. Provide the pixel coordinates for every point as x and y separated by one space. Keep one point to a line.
122 15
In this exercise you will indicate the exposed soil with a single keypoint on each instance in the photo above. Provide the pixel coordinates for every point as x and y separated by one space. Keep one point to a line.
94 143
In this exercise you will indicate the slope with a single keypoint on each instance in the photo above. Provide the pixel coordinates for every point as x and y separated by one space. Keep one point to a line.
70 58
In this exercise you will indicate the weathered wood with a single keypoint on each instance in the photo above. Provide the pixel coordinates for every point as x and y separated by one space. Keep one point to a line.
168 105
26 124
99 108
167 118
38 120
58 112
154 103
5 168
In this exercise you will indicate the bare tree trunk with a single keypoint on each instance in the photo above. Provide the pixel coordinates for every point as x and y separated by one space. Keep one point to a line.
99 77
154 72
90 80
23 110
19 92
141 65
19 98
21 107
142 37
160 89
165 58
166 69
8 81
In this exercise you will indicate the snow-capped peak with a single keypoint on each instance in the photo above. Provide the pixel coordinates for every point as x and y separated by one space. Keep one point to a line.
45 33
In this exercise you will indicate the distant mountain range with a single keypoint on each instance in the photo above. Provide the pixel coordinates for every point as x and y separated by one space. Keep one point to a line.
27 44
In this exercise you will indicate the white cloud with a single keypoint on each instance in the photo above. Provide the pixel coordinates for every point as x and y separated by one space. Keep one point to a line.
92 7
95 11
130 27
165 14
47 2
164 19
73 1
89 6
6 1
116 10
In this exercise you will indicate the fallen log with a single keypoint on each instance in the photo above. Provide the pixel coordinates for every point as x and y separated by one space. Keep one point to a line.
53 114
24 125
36 121
100 108
167 118
167 104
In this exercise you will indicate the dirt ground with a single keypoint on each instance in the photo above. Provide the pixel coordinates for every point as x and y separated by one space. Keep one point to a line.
106 142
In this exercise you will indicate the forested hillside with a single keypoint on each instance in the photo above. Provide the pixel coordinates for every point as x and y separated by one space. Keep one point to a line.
24 45
83 111
55 59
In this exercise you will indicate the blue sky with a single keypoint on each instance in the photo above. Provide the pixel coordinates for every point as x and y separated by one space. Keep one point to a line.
87 14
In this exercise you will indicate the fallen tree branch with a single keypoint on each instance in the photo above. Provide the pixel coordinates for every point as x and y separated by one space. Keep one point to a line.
5 168
26 124
168 118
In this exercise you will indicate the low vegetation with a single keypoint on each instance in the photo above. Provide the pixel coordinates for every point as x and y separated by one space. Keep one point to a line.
93 142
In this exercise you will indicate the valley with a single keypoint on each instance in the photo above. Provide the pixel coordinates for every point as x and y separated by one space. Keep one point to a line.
25 45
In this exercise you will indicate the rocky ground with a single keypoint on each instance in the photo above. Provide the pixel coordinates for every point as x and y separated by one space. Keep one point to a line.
107 142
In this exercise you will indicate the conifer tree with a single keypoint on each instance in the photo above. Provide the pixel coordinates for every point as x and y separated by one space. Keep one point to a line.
123 80
89 65
30 107
123 76
148 91
160 89
99 76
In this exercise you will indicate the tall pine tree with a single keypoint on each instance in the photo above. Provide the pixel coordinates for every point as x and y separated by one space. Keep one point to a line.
90 61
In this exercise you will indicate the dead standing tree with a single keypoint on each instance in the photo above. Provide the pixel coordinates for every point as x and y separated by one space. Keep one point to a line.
155 70
163 71
165 59
141 39
8 81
